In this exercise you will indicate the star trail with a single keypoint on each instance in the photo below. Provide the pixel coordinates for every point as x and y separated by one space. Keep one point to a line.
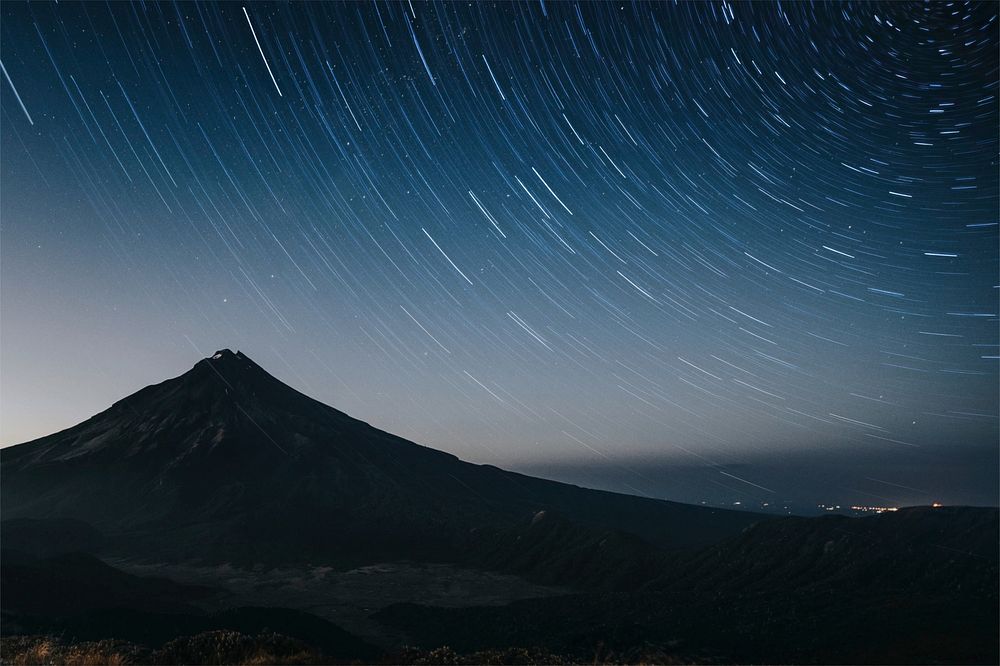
613 236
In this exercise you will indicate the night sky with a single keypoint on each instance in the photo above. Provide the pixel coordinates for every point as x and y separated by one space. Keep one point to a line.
708 252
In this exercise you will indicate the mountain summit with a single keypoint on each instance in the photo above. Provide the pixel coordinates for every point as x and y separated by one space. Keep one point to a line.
227 463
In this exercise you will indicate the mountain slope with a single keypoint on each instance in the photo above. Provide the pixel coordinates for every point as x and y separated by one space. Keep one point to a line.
911 587
77 583
917 550
227 463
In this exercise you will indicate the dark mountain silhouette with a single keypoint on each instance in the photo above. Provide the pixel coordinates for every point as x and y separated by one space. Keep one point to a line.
925 550
916 586
77 596
45 538
553 550
227 463
50 588
75 583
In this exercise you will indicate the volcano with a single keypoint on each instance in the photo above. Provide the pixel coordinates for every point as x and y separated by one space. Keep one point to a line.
227 463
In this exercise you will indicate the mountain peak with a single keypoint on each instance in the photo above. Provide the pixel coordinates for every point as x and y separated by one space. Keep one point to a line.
226 366
234 372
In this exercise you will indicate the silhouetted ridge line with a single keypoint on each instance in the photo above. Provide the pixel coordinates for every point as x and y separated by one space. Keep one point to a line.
227 463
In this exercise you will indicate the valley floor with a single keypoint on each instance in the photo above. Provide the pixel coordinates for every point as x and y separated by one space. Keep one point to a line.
349 598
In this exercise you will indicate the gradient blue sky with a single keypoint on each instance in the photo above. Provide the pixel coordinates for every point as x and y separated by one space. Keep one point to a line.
612 237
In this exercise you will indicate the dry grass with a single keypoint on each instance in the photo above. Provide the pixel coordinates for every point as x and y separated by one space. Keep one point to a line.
41 650
215 648
218 648
446 656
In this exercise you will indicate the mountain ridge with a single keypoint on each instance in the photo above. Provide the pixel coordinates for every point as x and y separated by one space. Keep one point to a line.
232 463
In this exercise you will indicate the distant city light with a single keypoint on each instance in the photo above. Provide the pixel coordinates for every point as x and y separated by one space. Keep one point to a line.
874 509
